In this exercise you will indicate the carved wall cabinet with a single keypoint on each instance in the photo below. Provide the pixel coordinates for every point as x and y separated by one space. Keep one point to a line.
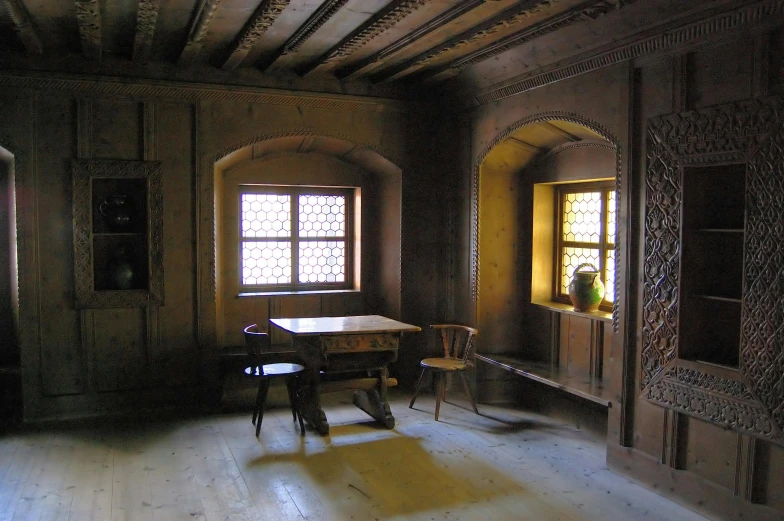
713 296
118 247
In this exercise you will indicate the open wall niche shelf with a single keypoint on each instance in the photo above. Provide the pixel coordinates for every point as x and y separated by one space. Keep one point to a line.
118 247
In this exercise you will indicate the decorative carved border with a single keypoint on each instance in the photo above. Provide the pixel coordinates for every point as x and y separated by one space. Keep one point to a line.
750 132
545 116
719 400
146 18
88 16
84 171
266 14
183 91
754 14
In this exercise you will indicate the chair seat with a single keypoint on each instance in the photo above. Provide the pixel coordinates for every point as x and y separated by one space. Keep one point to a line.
280 369
443 364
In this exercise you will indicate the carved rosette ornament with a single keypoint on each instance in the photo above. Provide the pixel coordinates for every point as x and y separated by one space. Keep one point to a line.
84 172
751 132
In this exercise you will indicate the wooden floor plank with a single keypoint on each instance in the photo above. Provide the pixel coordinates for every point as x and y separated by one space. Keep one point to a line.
504 464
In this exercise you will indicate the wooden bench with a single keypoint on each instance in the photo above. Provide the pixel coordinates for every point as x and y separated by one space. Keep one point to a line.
579 385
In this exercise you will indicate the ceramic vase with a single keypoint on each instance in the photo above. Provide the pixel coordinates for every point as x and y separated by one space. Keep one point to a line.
586 290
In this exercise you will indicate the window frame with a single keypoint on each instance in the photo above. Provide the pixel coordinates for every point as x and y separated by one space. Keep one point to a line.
604 245
294 191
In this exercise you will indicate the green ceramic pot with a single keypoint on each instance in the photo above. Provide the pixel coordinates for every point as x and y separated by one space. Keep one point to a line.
586 289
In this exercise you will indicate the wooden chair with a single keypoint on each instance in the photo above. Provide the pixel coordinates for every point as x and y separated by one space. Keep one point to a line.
458 344
259 351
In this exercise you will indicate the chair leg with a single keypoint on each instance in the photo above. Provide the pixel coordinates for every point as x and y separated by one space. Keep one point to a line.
290 389
261 398
468 392
440 391
256 404
418 387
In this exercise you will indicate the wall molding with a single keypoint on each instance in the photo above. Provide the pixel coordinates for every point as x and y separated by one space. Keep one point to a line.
667 38
187 91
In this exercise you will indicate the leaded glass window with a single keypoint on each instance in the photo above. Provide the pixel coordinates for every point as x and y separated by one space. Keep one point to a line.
295 238
586 233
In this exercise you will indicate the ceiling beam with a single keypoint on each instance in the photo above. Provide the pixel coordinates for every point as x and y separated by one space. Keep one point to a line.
514 15
88 16
375 25
265 15
146 18
524 145
411 38
321 16
23 23
561 132
202 16
589 10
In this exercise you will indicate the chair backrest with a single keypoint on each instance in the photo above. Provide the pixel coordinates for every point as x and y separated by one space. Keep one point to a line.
257 342
457 341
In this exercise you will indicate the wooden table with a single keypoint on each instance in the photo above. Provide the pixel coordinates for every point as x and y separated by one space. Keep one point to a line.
346 353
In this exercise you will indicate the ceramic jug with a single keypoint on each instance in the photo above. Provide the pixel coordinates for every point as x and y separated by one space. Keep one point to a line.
117 211
586 289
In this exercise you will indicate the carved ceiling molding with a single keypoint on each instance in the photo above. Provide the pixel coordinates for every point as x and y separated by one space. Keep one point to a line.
203 14
377 24
88 16
181 91
509 18
436 23
265 15
23 24
321 16
475 178
670 37
146 18
750 132
578 13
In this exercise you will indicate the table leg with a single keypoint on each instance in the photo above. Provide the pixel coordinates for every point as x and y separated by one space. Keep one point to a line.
311 403
374 401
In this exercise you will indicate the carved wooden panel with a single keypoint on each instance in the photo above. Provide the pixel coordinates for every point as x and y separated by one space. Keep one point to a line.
751 399
84 173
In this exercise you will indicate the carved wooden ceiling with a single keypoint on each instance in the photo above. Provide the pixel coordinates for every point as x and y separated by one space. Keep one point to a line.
375 41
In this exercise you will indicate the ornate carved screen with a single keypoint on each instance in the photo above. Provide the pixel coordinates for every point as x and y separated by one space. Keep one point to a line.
118 233
750 396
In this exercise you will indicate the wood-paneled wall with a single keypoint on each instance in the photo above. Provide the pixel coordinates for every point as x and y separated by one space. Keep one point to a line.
105 361
726 474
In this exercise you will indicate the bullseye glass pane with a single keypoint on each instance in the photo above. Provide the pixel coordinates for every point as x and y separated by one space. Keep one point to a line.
265 215
609 285
322 216
582 217
322 261
266 263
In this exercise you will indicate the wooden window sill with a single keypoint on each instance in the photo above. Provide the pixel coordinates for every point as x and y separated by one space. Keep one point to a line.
287 293
558 307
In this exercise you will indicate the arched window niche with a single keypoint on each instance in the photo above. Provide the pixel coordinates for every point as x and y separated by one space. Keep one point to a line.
320 161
